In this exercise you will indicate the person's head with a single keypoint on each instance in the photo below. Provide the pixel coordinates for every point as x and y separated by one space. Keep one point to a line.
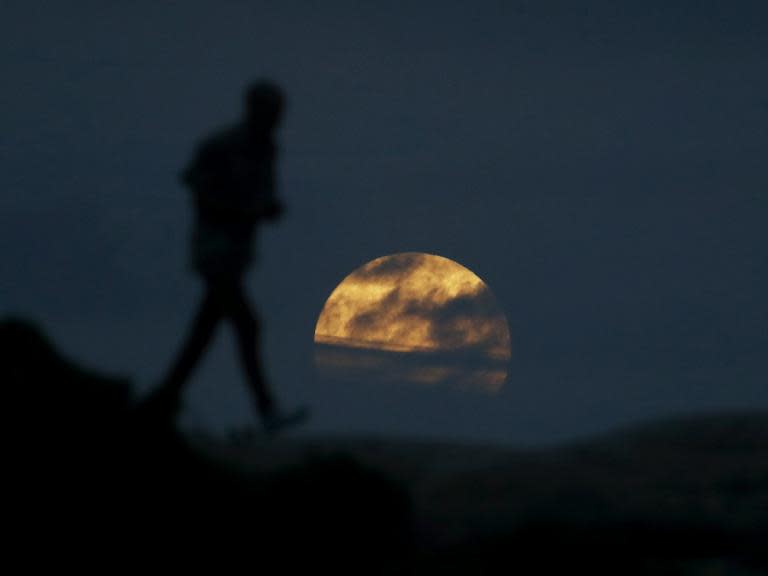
264 104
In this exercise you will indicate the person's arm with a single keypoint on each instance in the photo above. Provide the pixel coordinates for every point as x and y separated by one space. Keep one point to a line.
219 198
258 199
270 208
202 173
206 178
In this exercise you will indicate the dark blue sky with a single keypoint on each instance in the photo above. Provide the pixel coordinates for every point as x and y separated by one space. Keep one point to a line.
600 165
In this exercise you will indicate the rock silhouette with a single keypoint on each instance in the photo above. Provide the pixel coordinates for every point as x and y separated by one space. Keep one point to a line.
91 469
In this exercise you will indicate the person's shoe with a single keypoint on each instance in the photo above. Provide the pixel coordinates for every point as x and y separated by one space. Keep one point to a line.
276 420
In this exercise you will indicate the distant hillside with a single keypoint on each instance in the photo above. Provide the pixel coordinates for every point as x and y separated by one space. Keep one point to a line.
711 468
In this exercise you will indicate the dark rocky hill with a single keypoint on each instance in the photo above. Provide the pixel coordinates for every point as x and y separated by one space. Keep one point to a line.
94 480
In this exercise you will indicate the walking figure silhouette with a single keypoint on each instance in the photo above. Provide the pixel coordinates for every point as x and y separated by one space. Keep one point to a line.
232 183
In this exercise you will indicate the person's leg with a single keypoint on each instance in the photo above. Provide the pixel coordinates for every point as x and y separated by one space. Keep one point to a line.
247 328
202 330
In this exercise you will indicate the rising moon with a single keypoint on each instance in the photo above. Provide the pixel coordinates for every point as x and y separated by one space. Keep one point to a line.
414 317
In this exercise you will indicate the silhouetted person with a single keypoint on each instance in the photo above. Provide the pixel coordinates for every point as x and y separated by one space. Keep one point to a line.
232 184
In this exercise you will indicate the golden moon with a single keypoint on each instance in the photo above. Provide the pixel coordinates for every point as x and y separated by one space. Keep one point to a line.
414 317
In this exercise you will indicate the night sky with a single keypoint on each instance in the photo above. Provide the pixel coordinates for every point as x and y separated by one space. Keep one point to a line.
600 165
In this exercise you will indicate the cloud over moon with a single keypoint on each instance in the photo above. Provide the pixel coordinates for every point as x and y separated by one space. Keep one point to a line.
415 303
